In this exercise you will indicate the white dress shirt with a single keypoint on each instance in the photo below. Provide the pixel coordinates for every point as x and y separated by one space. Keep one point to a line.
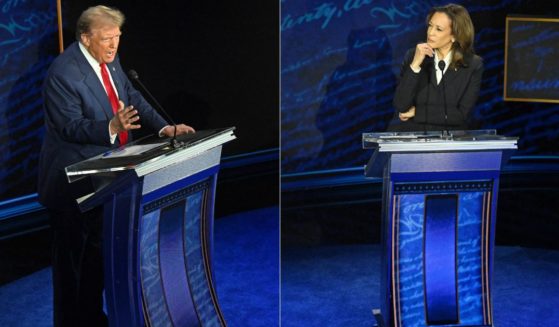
97 69
438 72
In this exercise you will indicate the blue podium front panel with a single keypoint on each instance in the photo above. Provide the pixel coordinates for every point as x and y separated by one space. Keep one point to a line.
439 253
158 230
438 228
152 288
439 259
175 257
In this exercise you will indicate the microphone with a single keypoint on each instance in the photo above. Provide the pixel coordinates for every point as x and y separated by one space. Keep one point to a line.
134 76
442 65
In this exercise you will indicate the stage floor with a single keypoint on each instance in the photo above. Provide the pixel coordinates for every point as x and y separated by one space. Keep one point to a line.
246 269
339 285
320 286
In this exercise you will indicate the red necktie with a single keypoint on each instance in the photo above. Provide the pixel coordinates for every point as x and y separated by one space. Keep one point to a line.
113 99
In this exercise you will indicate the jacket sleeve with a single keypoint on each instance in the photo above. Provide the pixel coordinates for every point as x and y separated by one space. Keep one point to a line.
406 90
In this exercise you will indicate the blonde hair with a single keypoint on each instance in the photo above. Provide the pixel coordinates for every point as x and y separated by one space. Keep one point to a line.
462 29
93 16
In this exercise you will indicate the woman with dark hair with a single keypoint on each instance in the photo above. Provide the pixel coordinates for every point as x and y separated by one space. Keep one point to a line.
440 79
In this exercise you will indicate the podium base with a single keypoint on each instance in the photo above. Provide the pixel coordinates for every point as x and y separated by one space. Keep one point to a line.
378 318
380 321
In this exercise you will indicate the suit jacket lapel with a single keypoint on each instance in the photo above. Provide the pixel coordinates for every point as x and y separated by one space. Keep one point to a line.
428 65
450 75
433 75
93 82
117 80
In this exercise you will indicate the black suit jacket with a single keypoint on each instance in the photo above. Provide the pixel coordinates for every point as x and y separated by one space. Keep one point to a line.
461 89
77 114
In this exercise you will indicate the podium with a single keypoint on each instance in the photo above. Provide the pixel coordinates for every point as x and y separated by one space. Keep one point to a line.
438 224
158 228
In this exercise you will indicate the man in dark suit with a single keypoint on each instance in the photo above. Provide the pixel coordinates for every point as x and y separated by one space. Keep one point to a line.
90 107
441 78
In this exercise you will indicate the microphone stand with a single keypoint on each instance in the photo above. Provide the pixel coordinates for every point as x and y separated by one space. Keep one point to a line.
442 65
425 113
174 142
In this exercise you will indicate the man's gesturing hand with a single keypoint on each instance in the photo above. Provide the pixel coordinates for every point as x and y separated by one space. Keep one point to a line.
124 119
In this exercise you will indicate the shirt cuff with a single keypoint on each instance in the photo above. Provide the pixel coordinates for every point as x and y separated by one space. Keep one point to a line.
112 137
415 70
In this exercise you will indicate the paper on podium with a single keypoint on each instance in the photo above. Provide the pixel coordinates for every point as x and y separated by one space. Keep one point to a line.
132 150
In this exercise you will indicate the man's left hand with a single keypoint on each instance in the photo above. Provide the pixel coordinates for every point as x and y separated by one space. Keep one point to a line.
169 131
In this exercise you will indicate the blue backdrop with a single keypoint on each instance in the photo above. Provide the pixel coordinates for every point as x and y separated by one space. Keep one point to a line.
28 44
340 60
